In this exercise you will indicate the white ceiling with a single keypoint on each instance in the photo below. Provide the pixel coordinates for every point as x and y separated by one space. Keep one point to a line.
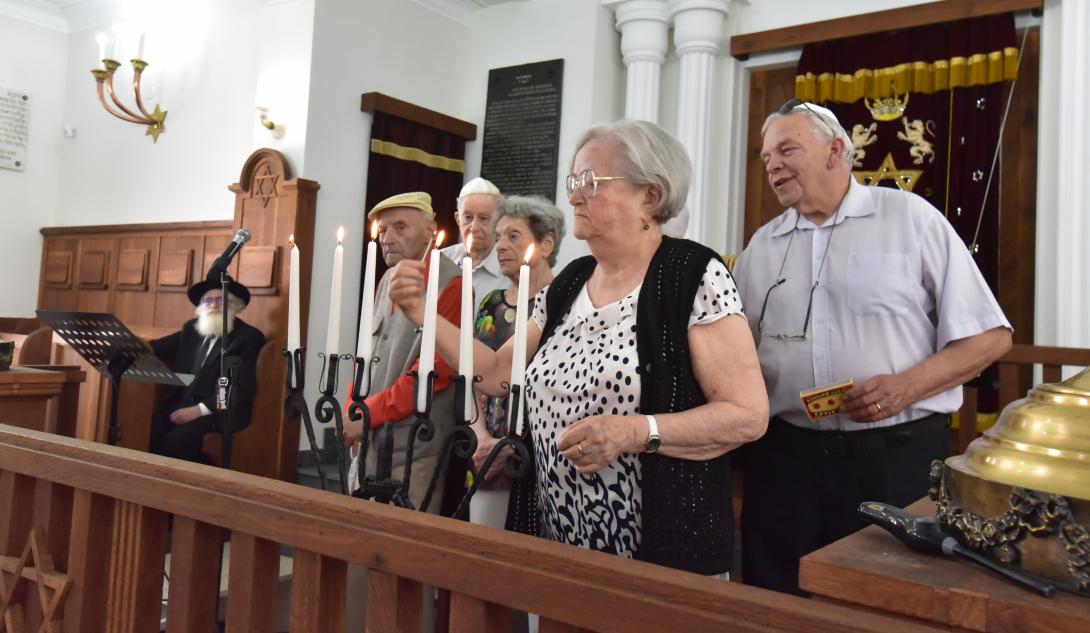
76 15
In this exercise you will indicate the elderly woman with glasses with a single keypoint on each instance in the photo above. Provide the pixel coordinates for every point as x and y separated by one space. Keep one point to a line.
520 222
642 375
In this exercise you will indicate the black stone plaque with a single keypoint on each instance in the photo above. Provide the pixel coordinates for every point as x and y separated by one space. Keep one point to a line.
522 128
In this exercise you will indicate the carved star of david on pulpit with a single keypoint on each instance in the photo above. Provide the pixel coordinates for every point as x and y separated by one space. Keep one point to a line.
264 185
52 585
905 179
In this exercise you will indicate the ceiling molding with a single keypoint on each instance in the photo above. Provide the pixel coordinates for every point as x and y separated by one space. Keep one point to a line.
461 11
36 12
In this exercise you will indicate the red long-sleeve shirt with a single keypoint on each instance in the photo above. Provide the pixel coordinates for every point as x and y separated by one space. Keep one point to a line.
398 401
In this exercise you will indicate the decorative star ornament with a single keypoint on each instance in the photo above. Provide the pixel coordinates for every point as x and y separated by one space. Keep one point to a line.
905 179
52 585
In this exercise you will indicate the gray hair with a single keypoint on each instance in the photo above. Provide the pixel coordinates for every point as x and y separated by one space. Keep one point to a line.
541 215
824 126
648 155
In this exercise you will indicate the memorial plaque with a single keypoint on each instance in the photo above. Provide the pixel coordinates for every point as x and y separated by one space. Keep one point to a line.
522 128
14 128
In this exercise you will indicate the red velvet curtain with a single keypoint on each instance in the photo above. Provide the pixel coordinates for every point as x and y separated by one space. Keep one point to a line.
924 106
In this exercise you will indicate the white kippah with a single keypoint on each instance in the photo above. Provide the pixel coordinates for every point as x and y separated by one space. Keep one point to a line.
478 185
823 111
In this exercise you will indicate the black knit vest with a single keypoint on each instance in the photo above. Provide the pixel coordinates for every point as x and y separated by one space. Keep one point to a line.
687 522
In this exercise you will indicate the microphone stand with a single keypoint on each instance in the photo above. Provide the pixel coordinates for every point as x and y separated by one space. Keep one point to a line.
223 394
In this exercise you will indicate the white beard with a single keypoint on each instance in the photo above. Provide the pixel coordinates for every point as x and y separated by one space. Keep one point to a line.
210 321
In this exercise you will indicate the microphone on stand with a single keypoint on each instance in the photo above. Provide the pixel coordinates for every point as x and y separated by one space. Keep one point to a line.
224 260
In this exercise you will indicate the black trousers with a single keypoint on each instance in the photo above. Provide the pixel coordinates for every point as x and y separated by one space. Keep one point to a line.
802 488
180 441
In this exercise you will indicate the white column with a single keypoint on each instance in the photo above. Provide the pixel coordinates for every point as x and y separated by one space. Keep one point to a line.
698 31
1063 200
643 25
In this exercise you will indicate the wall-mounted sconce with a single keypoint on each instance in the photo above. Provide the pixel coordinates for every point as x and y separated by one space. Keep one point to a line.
275 129
105 77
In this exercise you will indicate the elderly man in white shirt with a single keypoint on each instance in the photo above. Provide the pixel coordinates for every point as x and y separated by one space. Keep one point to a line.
477 204
850 282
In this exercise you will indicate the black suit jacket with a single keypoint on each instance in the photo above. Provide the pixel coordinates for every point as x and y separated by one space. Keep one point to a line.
179 350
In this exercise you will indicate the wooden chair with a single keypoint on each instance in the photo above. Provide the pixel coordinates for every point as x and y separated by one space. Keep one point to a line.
1020 357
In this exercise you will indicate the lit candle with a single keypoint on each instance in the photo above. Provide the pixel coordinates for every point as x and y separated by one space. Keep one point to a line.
293 297
102 38
367 310
518 357
465 348
140 48
427 344
333 328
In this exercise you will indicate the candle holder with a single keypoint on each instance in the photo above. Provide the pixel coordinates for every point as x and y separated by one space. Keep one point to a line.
295 403
358 410
422 429
328 408
515 465
462 441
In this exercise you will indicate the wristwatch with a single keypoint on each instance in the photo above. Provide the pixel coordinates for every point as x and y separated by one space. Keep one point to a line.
652 443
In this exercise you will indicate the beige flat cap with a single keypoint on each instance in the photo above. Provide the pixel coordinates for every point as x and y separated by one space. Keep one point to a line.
413 200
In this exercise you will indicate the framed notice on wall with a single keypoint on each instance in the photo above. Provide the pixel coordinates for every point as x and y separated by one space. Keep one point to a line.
522 128
14 128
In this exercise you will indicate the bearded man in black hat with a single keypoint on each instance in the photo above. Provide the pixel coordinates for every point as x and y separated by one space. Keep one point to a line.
188 413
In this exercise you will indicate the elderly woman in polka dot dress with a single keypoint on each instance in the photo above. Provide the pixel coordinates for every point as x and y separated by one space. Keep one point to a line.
642 374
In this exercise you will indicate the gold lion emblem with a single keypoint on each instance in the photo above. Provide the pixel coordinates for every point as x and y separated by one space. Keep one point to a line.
914 133
862 137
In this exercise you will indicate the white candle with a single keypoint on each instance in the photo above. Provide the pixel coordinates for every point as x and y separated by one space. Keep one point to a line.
518 357
101 39
140 48
333 328
465 349
427 343
293 297
112 42
367 310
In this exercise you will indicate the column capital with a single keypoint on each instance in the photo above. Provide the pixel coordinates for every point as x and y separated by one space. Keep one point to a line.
698 24
643 25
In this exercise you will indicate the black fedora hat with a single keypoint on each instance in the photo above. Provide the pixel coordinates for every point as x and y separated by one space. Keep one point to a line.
197 290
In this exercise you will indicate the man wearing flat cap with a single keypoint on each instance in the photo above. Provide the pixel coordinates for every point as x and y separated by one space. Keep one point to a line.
188 413
406 228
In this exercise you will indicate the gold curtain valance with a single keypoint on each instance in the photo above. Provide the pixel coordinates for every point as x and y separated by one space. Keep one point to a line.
912 77
386 148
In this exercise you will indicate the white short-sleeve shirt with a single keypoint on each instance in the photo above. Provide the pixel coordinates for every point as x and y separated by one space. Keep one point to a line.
588 367
487 275
897 286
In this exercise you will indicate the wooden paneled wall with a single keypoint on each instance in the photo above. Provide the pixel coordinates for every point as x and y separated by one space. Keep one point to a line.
140 273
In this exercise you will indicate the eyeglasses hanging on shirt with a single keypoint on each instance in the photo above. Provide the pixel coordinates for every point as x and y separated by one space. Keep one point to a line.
780 279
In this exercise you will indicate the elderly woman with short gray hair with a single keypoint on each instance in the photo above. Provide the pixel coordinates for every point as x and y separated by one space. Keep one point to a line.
520 221
642 374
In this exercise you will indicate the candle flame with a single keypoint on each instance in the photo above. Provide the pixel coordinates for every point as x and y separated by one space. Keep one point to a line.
439 238
469 245
374 229
291 240
529 253
340 234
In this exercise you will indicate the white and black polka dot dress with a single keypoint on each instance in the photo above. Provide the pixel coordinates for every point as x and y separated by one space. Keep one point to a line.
588 367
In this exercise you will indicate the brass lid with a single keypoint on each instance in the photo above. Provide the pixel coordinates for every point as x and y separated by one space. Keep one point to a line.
1041 441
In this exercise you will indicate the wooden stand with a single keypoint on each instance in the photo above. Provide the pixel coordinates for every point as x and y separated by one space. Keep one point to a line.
874 570
25 394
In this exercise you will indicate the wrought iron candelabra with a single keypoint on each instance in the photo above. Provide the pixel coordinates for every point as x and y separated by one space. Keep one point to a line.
380 485
104 77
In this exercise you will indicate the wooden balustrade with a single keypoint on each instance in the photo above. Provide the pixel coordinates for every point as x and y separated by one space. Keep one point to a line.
116 491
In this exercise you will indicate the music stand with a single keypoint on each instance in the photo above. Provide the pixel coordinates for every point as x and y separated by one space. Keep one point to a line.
111 348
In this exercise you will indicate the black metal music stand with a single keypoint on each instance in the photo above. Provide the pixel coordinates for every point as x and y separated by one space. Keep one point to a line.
111 348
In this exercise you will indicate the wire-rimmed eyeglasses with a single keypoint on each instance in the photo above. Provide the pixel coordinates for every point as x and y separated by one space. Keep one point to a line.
587 181
790 106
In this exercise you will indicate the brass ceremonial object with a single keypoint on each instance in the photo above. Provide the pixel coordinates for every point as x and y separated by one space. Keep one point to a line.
1020 494
105 81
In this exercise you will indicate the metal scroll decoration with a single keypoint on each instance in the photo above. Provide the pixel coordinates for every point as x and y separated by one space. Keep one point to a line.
1031 513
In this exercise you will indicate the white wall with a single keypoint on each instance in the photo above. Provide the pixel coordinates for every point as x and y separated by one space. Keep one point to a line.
32 59
113 173
283 77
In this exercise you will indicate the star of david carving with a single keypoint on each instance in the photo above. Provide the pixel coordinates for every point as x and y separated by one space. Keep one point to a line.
905 179
264 185
52 585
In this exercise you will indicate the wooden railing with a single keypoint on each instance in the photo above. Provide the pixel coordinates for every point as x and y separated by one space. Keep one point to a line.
1052 361
86 498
